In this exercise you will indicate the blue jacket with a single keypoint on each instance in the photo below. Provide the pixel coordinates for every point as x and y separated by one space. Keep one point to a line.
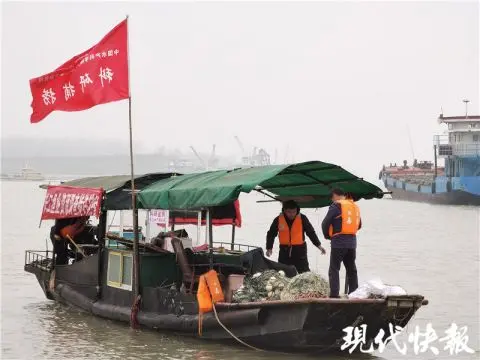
333 218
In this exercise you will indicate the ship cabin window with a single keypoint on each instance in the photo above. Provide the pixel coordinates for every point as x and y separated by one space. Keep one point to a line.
120 268
476 138
450 126
456 138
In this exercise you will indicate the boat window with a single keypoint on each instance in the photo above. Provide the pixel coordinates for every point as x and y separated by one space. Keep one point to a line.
475 138
119 272
127 270
114 267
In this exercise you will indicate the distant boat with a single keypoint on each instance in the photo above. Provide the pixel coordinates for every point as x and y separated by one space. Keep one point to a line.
457 183
26 174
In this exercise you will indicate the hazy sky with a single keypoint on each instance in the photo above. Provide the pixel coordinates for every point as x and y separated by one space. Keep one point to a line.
337 81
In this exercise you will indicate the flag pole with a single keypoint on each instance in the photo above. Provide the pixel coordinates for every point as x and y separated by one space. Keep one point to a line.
136 264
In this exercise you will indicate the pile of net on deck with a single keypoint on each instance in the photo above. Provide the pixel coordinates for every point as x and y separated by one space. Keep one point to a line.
274 285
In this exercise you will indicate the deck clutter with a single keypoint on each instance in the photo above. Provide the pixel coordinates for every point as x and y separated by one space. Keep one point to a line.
376 289
274 285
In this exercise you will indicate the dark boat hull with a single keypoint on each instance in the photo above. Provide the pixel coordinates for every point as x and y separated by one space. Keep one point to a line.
455 197
313 325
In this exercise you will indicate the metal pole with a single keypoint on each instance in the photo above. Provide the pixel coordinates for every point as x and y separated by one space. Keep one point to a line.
210 236
207 228
136 265
233 236
466 107
147 227
122 222
101 231
435 160
199 226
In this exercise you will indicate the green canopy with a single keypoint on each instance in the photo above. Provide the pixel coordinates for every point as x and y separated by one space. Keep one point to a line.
309 183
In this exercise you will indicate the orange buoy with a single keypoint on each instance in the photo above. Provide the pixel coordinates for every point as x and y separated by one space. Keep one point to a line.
214 286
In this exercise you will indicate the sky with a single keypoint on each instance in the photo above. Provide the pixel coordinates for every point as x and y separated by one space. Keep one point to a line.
343 82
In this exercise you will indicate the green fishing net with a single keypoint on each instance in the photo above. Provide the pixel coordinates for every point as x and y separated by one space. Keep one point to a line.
261 286
272 285
305 286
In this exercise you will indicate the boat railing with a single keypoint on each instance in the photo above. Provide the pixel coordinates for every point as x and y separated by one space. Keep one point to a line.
235 246
42 259
446 148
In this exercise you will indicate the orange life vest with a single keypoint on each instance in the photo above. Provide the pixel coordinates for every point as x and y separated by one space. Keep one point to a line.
290 236
214 286
209 292
72 230
350 216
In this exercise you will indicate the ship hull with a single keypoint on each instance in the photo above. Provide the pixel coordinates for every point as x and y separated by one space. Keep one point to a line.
295 327
456 197
303 326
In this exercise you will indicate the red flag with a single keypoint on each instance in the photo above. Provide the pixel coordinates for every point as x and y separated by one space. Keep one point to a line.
97 76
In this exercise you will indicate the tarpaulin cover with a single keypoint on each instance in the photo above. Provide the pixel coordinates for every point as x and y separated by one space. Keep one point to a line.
310 183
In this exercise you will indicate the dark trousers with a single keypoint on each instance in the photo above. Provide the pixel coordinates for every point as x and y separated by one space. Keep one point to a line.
296 256
61 252
347 256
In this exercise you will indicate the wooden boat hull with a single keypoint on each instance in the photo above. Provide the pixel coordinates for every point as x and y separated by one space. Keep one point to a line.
310 325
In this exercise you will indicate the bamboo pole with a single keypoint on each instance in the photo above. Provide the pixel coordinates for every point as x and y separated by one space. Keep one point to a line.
136 264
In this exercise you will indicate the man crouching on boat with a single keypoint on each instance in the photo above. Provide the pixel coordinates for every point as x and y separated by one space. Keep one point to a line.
291 227
340 226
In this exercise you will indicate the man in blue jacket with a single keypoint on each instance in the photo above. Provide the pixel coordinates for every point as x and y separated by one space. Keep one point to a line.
340 226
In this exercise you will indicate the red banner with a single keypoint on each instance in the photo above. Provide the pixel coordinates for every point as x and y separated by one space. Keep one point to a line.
67 202
97 76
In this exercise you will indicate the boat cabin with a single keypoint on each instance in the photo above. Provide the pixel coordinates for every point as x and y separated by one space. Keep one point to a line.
460 147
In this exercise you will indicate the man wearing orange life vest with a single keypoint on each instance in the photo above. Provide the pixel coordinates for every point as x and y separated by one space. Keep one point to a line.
291 227
340 226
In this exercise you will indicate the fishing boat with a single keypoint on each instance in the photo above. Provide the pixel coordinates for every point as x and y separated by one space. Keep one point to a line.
456 183
105 282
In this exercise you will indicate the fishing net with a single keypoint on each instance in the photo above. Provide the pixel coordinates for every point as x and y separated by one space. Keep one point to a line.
306 286
272 285
267 285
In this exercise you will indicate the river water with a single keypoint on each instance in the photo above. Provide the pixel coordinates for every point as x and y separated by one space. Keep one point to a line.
426 249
